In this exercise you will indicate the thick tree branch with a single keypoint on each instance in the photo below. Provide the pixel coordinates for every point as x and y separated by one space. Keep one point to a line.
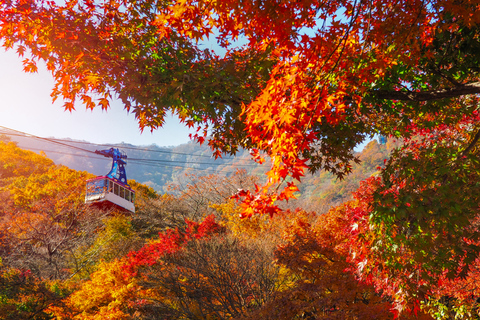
469 88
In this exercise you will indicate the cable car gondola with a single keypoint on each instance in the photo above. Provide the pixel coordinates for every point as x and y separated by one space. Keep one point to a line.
112 190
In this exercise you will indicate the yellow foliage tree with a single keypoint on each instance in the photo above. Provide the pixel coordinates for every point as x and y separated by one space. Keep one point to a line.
16 162
231 218
107 295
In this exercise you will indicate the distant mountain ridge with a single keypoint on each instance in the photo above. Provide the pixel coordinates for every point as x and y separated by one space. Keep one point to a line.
159 167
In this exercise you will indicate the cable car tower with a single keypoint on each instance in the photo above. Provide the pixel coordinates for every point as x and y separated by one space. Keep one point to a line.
112 190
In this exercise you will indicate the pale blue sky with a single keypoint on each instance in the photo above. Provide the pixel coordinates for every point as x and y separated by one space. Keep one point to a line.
26 105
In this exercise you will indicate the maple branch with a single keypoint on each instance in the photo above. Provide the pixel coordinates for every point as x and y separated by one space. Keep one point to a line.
450 79
469 88
471 144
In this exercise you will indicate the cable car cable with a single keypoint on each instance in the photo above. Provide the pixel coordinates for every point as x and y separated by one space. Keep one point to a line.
49 140
158 165
58 141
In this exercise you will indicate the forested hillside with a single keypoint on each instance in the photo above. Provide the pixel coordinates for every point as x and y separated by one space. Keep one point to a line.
188 255
183 256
